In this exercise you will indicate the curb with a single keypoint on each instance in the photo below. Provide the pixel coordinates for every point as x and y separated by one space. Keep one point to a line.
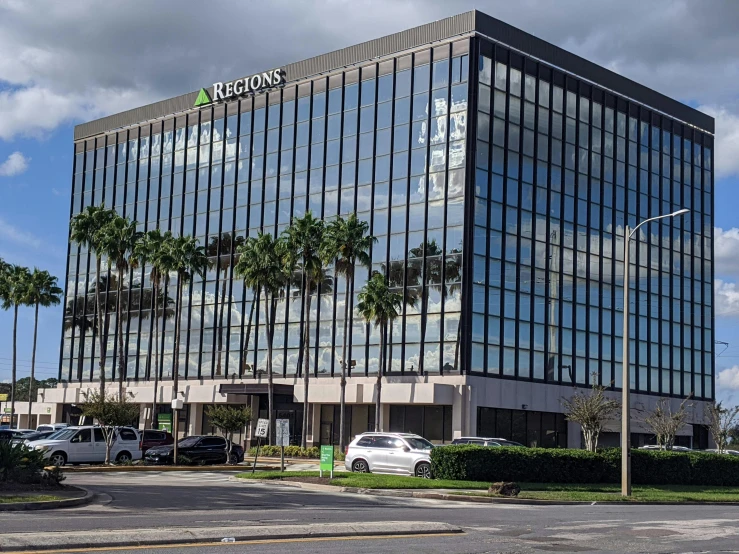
163 468
88 497
65 541
400 493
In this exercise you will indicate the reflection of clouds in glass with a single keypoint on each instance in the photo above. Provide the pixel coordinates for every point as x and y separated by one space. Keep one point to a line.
457 125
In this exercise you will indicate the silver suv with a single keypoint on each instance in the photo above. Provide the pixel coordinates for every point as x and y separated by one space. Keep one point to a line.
399 453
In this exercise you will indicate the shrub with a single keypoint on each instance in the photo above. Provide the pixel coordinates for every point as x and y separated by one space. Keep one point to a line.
540 465
20 464
290 451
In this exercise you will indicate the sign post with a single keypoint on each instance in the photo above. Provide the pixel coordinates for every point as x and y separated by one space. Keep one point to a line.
327 460
282 430
261 432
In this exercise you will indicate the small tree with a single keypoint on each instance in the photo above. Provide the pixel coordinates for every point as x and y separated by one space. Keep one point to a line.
722 424
110 412
665 423
591 411
228 420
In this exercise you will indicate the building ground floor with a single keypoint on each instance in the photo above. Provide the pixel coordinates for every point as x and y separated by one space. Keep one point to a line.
440 408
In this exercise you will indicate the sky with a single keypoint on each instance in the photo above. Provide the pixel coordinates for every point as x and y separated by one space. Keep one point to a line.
65 63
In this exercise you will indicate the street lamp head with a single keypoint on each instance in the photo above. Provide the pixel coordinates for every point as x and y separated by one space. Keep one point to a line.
680 212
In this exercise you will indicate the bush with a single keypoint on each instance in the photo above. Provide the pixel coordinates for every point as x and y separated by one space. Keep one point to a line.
540 465
290 451
20 464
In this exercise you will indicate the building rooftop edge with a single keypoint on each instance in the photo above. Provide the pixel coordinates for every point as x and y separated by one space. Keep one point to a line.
469 22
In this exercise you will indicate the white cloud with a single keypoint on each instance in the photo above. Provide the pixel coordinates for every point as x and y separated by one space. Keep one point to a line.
728 378
726 252
16 164
726 298
12 234
727 140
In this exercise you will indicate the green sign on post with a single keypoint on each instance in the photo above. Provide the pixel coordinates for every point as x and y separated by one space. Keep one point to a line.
165 422
327 460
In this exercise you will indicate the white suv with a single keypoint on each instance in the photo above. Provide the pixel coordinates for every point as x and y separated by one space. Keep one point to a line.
86 445
400 453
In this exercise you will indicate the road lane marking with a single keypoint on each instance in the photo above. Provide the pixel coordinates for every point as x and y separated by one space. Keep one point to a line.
236 543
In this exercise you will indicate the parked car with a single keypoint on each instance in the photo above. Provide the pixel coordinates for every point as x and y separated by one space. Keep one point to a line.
483 441
201 449
52 427
86 444
726 451
673 449
155 437
11 434
399 453
25 438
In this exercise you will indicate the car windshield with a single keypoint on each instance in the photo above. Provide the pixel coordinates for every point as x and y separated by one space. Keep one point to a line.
189 441
62 435
417 443
509 443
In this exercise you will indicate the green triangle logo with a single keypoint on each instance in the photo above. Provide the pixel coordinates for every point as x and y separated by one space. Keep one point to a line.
203 98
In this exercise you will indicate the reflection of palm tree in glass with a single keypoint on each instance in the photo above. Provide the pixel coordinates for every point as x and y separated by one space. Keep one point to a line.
221 248
440 276
79 315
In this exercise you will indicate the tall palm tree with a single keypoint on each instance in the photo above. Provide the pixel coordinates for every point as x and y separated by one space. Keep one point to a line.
43 291
221 248
346 242
379 305
261 264
14 294
187 258
154 249
303 240
85 230
117 241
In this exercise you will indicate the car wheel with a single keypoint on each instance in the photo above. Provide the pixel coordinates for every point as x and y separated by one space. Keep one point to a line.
123 457
234 458
58 459
360 466
423 470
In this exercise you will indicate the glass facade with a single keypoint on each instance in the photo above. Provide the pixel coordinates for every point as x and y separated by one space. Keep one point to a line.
506 236
387 141
561 168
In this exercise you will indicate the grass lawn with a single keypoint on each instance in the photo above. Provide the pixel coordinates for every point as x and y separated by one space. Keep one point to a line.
537 491
369 480
29 498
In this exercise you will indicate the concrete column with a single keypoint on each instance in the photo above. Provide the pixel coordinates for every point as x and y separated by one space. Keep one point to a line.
385 420
459 416
144 421
195 425
253 404
314 438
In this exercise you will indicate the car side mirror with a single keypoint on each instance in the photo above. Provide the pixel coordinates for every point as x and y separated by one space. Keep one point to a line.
406 449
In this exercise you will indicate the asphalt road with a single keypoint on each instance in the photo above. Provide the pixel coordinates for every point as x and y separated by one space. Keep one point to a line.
130 501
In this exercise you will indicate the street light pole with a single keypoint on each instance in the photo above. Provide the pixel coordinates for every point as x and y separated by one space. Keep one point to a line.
625 364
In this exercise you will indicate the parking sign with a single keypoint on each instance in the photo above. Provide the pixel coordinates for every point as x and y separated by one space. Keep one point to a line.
282 430
262 426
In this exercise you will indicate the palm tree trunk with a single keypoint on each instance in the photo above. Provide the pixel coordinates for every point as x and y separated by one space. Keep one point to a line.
220 318
81 352
13 375
155 315
342 397
306 360
176 366
101 345
33 366
119 324
378 384
270 317
248 332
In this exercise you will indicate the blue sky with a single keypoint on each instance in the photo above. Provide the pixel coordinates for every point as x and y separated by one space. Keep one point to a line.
69 62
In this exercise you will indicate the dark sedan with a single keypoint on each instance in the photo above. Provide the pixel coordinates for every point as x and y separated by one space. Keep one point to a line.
205 449
153 437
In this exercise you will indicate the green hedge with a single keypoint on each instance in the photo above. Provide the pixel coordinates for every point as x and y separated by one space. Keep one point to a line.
543 465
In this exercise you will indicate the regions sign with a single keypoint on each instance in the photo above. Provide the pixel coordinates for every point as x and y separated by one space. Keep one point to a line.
239 87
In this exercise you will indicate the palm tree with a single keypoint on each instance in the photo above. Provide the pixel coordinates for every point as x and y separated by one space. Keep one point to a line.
187 258
85 230
75 316
222 247
154 249
346 242
43 291
303 240
117 241
14 294
379 305
261 264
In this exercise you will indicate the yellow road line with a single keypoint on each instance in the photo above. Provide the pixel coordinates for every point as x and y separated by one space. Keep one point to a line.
237 543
